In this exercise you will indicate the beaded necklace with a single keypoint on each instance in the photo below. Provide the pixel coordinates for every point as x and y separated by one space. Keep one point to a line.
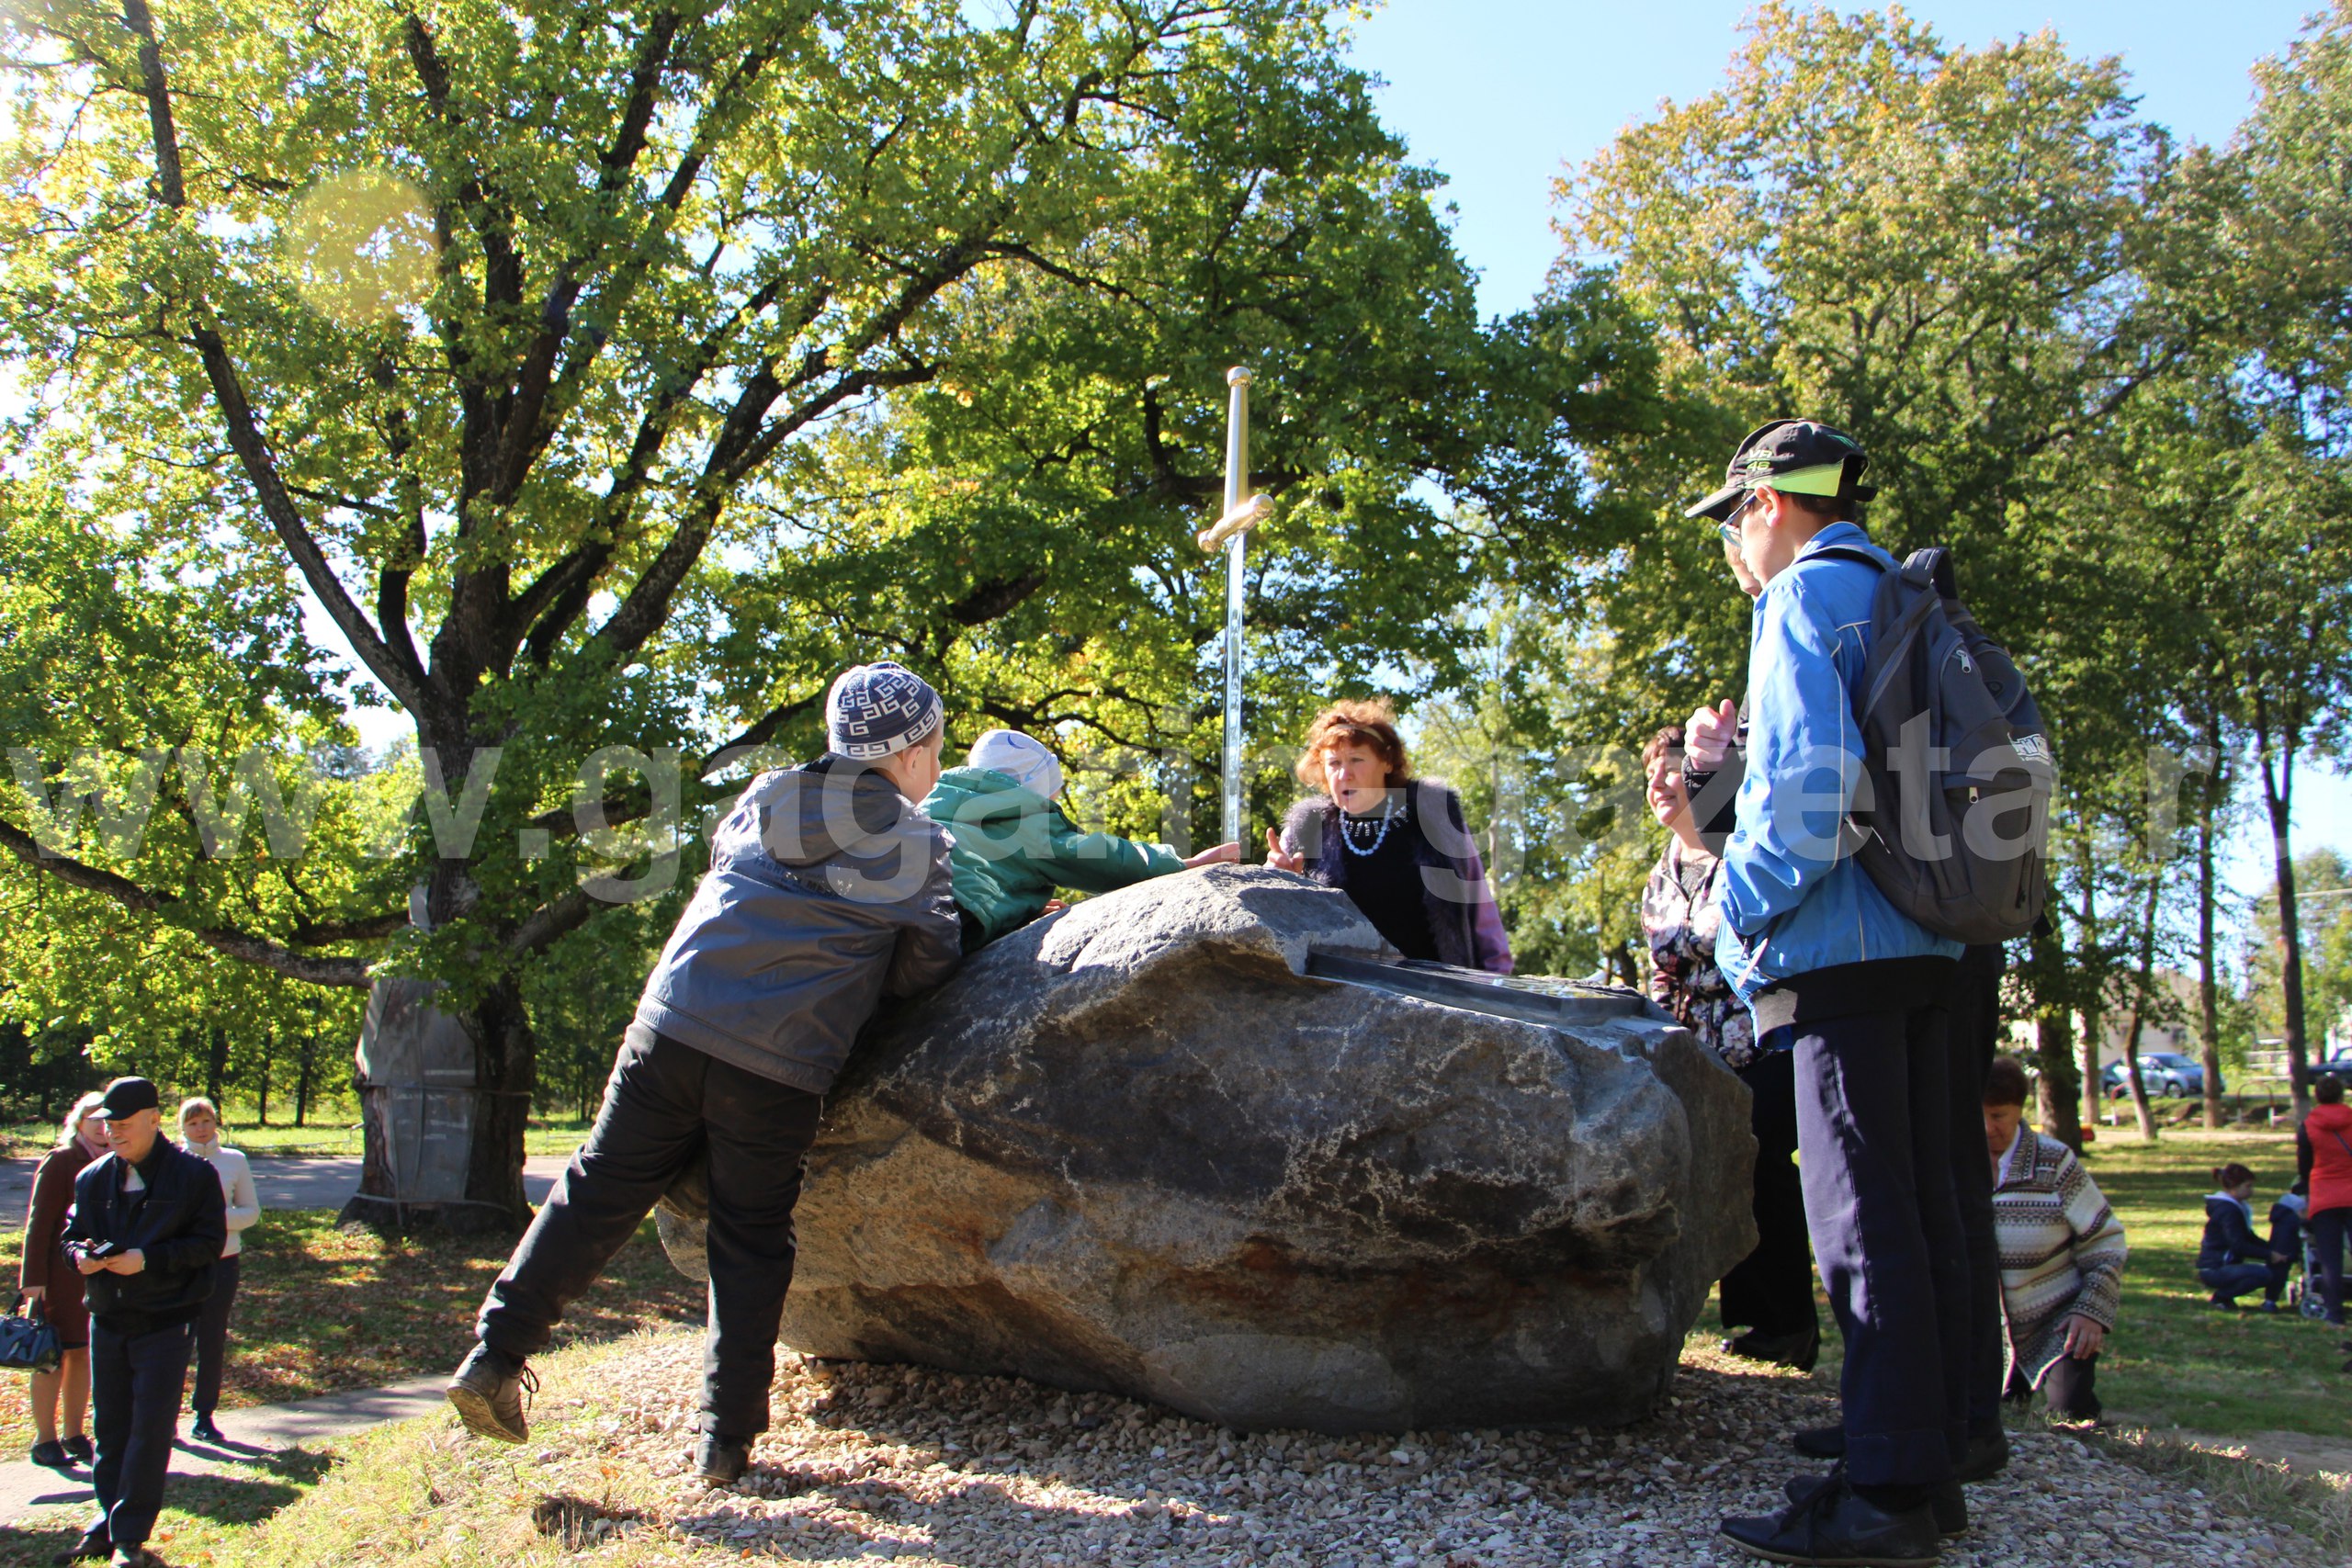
1347 827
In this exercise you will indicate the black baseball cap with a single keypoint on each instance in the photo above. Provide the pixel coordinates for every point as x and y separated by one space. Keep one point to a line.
126 1096
1799 456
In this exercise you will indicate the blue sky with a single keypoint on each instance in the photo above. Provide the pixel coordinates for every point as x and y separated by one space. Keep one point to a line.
1502 96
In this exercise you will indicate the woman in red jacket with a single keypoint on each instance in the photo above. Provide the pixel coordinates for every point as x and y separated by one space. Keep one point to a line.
49 1278
2323 1152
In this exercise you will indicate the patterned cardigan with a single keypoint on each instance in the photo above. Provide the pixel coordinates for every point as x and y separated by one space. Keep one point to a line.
2062 1251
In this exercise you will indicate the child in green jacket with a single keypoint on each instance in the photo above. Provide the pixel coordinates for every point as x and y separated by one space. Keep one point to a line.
1014 846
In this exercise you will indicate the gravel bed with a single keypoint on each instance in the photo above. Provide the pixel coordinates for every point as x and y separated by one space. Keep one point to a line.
929 1468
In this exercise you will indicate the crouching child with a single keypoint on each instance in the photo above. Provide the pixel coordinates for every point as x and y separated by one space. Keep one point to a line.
2062 1254
828 888
1014 845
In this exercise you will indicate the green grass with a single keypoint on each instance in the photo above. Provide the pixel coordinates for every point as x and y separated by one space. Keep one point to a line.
335 1136
2174 1361
322 1308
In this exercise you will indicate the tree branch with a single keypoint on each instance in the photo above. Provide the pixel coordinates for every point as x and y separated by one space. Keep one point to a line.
260 952
229 395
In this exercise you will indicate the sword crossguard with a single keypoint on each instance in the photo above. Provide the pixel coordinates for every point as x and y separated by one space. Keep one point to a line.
1240 519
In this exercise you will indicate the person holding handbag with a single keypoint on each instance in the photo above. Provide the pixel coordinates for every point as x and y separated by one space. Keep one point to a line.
48 1281
200 1135
2324 1156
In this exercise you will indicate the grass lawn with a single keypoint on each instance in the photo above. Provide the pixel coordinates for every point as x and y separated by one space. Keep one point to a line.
321 1309
29 1140
2174 1361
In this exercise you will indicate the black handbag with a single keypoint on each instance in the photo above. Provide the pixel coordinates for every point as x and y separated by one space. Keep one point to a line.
29 1344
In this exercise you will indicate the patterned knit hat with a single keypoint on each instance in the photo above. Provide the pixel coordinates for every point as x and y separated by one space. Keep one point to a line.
879 710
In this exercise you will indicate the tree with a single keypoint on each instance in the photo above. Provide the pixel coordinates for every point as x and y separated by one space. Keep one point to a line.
607 381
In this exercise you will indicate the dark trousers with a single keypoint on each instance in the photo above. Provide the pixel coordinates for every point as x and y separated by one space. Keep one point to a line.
1770 1290
212 1336
2326 1230
2234 1280
1875 1125
2068 1385
136 1381
1975 1031
665 1103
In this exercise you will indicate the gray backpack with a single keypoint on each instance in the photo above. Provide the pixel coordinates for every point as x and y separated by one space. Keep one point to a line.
1953 811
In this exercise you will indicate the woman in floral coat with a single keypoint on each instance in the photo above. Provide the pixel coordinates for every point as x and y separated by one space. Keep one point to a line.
1770 1292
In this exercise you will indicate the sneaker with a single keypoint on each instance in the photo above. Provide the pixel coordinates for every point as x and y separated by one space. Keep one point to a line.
2268 1305
80 1450
2218 1305
1950 1505
95 1544
204 1431
135 1557
1835 1528
490 1389
1987 1456
721 1460
52 1455
1799 1350
1820 1442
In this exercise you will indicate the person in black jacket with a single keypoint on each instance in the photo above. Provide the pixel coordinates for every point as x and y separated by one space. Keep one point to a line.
2285 1239
147 1226
1398 846
2230 1260
828 889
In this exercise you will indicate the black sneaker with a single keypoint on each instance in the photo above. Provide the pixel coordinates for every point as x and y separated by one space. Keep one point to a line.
1799 1350
720 1460
1949 1505
204 1431
489 1389
95 1543
52 1455
1832 1528
1987 1456
80 1450
1820 1442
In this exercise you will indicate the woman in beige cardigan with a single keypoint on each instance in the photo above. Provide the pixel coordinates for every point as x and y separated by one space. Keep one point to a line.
2062 1253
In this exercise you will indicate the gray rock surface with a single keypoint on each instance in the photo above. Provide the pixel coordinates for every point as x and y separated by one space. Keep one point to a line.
1137 1148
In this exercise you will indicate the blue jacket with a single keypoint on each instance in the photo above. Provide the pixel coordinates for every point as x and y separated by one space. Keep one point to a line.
1791 904
827 889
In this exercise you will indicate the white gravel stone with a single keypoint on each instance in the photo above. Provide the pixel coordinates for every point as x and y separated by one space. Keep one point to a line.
930 1470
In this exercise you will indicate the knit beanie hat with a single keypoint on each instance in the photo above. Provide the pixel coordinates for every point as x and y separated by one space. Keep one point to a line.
879 710
1021 758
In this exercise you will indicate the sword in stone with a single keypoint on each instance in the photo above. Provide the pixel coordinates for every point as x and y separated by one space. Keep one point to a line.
1226 534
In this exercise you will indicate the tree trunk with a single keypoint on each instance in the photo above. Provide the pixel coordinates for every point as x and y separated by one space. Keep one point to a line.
505 1072
2094 1012
268 1051
2147 1116
2209 1002
302 1078
2054 1054
2279 799
216 1063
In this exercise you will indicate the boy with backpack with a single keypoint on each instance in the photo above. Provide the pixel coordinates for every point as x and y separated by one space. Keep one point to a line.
1014 845
1813 943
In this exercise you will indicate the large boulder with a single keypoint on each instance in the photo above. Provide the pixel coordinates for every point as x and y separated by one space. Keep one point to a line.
1195 1141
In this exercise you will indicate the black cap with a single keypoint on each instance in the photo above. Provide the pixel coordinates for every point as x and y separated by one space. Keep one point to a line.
1799 456
125 1096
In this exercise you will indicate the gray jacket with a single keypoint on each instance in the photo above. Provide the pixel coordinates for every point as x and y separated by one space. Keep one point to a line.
827 888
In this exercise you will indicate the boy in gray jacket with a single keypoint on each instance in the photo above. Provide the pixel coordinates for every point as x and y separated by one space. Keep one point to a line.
828 888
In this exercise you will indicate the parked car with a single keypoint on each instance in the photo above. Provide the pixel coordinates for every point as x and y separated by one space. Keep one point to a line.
2167 1074
2338 1067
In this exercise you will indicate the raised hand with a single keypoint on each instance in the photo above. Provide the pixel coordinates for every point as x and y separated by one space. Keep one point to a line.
1280 858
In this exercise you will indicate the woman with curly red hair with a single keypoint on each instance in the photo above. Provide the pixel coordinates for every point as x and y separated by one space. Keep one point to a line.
1397 845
